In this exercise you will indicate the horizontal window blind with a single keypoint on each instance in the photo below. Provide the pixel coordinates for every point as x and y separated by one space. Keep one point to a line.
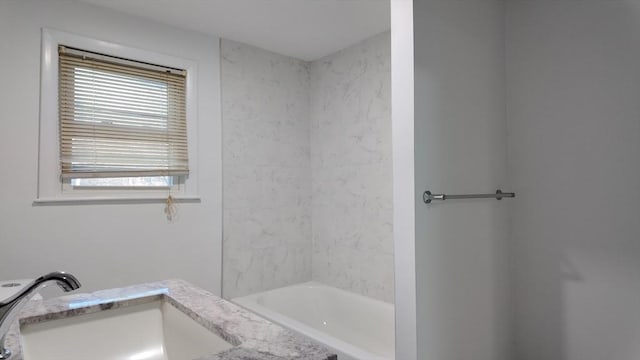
120 118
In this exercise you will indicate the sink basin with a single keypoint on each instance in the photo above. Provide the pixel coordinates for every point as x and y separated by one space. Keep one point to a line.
153 330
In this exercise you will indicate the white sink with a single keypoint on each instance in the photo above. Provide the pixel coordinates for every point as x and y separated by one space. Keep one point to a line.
151 331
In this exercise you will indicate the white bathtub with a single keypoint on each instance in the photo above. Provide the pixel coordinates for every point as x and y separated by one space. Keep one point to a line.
356 327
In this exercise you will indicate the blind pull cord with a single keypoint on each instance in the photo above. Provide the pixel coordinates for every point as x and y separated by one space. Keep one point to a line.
170 209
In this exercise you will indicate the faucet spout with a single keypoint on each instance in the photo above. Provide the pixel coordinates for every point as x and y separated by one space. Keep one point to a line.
10 307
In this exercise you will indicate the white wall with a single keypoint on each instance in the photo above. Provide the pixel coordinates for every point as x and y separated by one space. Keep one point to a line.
574 137
267 171
404 193
352 203
104 245
460 147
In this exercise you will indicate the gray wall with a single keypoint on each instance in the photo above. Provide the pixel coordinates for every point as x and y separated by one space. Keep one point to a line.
574 141
460 147
105 245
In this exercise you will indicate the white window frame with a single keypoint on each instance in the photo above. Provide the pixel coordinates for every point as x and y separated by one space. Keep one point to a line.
51 188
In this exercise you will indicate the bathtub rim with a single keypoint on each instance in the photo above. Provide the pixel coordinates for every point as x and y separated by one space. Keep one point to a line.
250 303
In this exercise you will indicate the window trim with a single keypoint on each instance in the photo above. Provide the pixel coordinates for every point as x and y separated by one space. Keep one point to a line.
50 185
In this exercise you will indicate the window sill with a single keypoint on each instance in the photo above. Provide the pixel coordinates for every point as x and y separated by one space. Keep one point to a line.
113 200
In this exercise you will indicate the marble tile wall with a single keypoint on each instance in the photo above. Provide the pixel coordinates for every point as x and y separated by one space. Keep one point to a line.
266 174
352 194
307 169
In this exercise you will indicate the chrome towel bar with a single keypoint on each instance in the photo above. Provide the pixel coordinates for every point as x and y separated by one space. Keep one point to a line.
428 196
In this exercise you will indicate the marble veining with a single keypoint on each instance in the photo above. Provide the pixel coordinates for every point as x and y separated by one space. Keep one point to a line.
267 185
307 169
352 189
253 337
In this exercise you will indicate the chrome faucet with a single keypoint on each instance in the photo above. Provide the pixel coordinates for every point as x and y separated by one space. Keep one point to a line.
10 307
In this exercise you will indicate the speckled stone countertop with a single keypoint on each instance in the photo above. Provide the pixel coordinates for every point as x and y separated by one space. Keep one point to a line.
253 337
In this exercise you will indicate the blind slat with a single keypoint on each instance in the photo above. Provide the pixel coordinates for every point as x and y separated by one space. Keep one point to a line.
119 120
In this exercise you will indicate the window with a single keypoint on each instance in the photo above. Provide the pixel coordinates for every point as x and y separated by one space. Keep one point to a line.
116 122
122 123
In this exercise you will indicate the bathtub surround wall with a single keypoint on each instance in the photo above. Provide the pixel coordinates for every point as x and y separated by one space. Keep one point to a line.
307 169
267 187
352 204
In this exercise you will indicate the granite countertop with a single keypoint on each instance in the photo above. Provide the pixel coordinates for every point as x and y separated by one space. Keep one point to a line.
252 336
